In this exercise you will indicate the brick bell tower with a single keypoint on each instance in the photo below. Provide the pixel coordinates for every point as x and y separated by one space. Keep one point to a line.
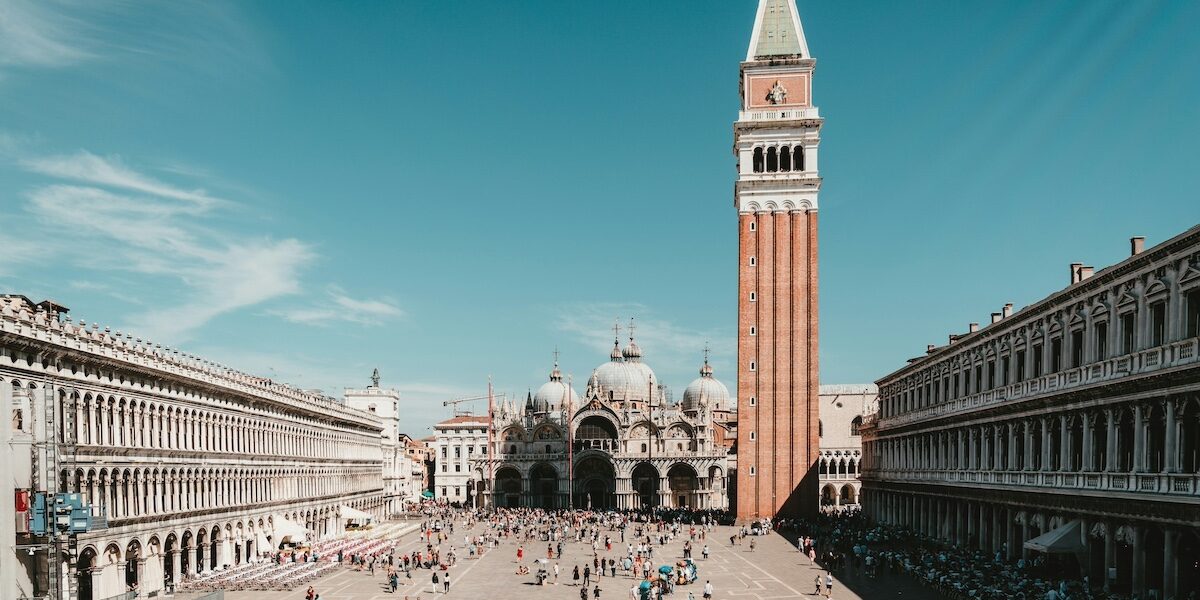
775 139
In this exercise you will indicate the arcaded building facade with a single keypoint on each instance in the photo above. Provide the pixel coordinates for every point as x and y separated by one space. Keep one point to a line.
776 138
842 409
187 465
623 445
1078 414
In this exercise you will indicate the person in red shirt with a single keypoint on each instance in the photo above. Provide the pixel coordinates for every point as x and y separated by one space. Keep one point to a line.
520 553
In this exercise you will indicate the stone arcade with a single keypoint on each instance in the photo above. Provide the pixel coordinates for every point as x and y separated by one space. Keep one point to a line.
193 465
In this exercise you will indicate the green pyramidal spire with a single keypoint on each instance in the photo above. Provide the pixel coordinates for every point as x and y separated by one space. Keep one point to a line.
777 31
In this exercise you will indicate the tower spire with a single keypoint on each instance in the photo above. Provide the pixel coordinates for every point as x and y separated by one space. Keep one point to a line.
777 31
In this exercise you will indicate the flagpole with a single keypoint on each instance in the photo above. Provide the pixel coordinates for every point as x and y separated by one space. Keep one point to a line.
491 466
570 445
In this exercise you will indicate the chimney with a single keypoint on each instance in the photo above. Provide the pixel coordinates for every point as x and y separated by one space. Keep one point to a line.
1086 272
1075 272
973 327
1136 245
929 348
995 317
1007 310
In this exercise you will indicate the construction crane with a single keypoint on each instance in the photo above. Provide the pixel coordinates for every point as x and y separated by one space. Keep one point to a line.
455 402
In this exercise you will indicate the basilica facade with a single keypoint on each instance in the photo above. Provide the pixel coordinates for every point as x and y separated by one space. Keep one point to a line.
623 445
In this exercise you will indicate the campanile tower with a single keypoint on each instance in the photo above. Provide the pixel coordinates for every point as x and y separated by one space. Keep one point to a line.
775 139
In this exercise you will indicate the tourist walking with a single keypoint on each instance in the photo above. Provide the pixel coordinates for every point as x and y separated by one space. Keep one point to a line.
708 590
435 583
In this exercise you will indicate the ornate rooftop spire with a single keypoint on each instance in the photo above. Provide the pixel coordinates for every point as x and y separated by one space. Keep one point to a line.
555 374
616 351
632 351
777 31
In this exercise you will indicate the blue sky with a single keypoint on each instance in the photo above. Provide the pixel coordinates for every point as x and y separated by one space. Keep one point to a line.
449 190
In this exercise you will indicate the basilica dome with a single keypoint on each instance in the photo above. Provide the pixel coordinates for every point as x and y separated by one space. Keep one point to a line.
554 394
706 390
624 377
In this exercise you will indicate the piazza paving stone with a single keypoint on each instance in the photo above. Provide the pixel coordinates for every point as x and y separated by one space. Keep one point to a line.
773 570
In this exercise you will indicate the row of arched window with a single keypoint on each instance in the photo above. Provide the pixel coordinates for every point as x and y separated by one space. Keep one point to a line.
839 466
775 159
1068 339
139 492
1162 436
105 420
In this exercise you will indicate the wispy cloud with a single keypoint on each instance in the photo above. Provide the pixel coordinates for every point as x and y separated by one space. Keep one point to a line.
206 38
420 400
664 343
40 34
111 172
340 307
123 220
16 251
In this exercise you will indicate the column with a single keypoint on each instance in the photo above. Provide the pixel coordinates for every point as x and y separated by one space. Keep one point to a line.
1028 449
1110 422
969 514
1110 551
1139 440
1025 535
1088 424
1170 564
1012 447
997 459
1010 532
1170 448
960 532
972 445
983 527
1065 442
998 530
1139 562
175 568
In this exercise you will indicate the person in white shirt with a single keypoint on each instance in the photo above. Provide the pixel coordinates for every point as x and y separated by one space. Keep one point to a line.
708 590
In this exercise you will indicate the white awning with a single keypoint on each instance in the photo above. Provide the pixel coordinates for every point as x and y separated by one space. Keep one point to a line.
353 514
1064 540
287 531
261 545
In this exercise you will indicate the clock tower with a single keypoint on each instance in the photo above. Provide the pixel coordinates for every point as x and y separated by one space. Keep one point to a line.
775 139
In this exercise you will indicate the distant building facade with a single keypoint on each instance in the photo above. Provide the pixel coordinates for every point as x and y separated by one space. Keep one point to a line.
457 441
842 409
385 403
413 470
1078 415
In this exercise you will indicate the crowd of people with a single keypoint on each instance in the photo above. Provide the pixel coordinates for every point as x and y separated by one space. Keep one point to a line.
846 542
615 546
628 549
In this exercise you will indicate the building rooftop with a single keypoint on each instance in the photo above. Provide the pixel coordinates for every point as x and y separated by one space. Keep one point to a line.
463 420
